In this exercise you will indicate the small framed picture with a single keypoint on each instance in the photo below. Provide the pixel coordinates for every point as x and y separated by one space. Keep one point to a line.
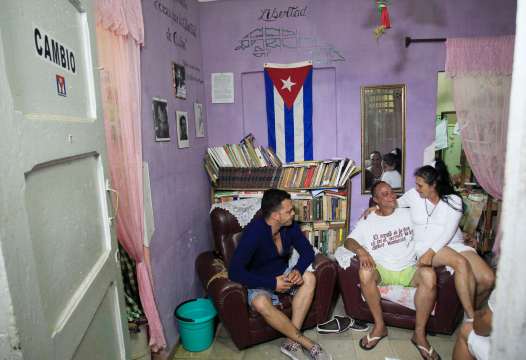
183 140
199 122
160 120
179 80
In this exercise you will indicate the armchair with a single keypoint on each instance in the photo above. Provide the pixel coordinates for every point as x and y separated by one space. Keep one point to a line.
246 326
448 309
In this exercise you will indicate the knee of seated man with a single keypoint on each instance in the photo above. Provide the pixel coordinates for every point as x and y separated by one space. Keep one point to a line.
309 280
367 275
261 303
428 276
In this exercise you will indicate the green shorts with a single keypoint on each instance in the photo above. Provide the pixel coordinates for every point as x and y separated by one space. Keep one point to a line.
389 277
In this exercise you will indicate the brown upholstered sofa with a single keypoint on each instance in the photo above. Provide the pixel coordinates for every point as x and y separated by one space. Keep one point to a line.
246 327
448 310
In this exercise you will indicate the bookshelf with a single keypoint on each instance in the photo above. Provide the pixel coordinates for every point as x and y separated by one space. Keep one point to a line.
320 189
323 212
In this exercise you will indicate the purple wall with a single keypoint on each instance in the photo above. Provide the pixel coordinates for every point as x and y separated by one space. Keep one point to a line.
348 27
331 30
179 184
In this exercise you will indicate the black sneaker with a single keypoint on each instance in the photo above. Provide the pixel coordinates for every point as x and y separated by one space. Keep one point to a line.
339 324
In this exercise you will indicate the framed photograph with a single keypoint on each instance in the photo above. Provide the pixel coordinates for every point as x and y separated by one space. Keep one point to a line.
183 140
160 120
199 121
179 80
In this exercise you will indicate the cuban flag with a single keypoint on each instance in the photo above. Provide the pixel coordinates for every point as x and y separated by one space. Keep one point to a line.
288 89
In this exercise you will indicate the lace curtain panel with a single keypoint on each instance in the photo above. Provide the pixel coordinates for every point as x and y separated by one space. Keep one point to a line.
481 72
119 36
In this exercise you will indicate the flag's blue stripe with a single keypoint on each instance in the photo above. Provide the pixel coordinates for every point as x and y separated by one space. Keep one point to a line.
289 133
271 119
307 117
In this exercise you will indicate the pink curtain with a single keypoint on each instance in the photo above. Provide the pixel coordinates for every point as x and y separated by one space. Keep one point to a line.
481 72
120 33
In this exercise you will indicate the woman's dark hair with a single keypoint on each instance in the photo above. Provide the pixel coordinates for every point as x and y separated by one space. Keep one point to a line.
390 159
439 175
271 201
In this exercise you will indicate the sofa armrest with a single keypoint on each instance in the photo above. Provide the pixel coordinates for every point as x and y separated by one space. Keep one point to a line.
229 297
349 280
326 272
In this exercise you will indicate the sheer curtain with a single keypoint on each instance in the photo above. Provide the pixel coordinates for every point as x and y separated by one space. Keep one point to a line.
120 33
481 72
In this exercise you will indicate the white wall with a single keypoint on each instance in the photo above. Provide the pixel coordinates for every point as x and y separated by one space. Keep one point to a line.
509 319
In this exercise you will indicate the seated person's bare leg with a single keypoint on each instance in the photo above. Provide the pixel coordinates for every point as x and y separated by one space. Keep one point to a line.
484 277
303 299
424 281
279 321
461 349
369 279
464 278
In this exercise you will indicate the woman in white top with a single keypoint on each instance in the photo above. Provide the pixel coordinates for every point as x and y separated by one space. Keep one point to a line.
436 210
390 174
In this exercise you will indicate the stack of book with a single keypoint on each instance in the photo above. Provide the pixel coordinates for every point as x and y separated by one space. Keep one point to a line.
221 164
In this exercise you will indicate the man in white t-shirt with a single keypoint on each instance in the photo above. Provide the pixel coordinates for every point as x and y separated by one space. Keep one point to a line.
384 245
473 337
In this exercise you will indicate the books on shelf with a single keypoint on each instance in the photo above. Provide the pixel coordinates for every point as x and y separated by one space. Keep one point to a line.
246 165
326 206
315 174
325 237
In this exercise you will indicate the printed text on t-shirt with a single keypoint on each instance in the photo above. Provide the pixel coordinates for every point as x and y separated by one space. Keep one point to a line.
391 237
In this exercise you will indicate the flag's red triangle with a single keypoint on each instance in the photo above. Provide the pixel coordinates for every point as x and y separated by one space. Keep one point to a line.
288 81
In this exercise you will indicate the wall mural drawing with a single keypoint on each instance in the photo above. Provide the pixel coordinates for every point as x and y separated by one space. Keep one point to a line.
193 72
176 39
263 39
176 17
276 14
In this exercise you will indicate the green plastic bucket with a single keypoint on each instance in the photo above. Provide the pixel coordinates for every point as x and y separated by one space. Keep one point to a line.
196 323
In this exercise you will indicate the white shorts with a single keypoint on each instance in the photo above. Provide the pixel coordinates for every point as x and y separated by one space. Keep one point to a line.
458 247
478 346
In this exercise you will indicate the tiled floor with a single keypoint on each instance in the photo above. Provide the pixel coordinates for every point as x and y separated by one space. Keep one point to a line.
341 346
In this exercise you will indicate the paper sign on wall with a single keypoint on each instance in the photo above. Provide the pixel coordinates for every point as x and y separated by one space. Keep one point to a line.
222 88
441 134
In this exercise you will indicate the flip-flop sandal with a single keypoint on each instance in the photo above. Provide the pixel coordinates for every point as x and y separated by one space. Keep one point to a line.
429 352
336 325
369 340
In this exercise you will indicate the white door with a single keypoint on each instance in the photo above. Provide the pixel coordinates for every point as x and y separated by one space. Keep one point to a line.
56 231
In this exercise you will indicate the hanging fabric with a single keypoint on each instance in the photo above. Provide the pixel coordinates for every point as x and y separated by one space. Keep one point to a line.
120 33
481 69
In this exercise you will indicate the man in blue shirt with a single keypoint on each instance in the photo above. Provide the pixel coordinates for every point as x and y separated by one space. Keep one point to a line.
260 262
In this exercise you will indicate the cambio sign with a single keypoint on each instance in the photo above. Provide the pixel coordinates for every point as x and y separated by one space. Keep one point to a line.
53 51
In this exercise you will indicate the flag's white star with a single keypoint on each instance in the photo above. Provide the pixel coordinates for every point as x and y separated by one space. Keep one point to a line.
287 84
